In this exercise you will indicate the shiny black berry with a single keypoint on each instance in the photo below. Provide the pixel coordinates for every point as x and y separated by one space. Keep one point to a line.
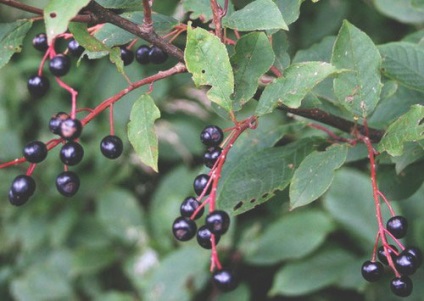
211 156
127 56
406 264
218 222
38 85
59 65
401 286
414 251
184 228
35 151
189 205
21 190
212 135
372 271
71 153
382 255
111 147
200 183
70 129
225 280
397 226
75 48
56 122
40 42
157 55
142 54
67 183
204 237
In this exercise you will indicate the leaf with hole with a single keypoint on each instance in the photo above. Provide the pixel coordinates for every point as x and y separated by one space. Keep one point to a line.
141 130
315 175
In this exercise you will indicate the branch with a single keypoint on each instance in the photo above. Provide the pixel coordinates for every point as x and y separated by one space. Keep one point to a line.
335 121
217 16
106 16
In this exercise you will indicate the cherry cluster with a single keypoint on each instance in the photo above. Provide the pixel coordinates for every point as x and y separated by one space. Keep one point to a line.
403 263
216 222
143 55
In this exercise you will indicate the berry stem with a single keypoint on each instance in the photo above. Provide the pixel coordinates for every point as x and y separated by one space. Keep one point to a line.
73 93
215 263
111 121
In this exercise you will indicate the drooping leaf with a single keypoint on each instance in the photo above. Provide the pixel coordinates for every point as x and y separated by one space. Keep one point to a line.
253 57
358 90
257 15
141 131
94 48
245 188
403 62
290 9
112 35
400 10
298 80
207 60
408 127
311 274
315 175
11 37
298 234
58 14
120 4
280 45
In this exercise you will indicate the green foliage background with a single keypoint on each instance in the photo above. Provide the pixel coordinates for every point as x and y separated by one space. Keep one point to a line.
113 240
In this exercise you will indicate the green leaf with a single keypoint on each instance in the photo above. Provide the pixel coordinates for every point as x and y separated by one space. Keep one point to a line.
293 236
418 4
299 79
280 45
112 35
119 212
94 48
201 9
401 10
245 188
403 62
311 274
257 15
359 90
58 14
253 57
120 4
141 131
315 175
11 37
88 260
412 152
408 127
178 276
290 9
207 60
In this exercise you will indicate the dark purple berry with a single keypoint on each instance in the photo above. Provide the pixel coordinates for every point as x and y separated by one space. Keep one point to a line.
38 85
127 56
204 237
157 55
200 183
70 129
56 122
189 206
75 48
225 280
212 135
17 200
71 153
372 271
211 156
218 222
35 151
142 54
59 65
184 228
23 186
401 286
382 255
111 147
40 42
406 264
397 226
67 183
414 251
